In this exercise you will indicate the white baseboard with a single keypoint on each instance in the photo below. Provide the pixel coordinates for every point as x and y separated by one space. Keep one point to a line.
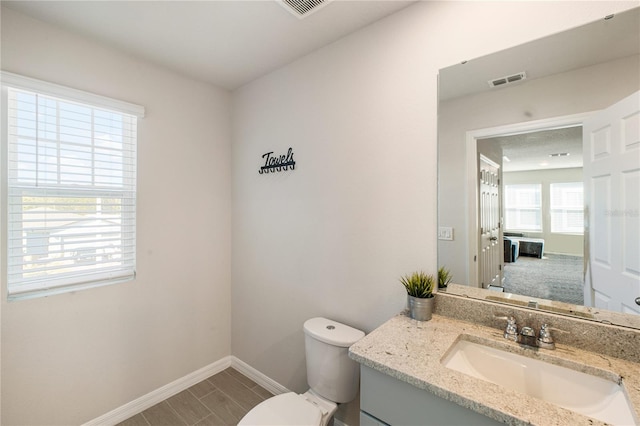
264 381
138 405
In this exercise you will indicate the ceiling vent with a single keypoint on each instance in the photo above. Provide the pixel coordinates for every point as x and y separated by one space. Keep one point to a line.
303 8
503 81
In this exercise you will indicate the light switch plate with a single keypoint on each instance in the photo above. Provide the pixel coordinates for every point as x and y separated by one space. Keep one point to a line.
445 233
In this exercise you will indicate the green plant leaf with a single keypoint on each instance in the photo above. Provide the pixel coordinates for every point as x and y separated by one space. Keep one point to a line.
419 284
444 277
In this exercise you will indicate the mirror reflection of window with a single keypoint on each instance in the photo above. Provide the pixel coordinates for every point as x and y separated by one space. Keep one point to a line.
523 207
567 208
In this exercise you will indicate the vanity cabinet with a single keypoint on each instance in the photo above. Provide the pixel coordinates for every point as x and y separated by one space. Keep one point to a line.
385 400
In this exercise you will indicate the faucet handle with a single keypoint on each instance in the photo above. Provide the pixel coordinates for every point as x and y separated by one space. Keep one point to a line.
511 321
545 334
547 329
511 332
545 339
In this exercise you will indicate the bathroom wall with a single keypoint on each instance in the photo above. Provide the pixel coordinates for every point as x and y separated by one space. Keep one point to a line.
592 88
70 358
332 237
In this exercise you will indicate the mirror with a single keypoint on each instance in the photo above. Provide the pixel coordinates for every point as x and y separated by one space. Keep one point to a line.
511 172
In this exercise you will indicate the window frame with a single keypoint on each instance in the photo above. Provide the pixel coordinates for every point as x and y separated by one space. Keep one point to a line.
45 287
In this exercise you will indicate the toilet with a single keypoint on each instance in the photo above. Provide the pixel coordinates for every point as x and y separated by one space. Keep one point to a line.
333 379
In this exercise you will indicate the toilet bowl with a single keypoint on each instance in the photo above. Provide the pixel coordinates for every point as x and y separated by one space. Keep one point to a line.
333 377
291 409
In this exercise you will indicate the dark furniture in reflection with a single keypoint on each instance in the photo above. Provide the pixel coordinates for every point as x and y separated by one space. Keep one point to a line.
525 246
511 250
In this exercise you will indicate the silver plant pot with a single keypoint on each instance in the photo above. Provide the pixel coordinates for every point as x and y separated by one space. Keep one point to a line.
420 309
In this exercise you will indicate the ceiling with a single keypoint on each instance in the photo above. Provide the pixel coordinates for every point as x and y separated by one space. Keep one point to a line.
226 43
535 151
609 39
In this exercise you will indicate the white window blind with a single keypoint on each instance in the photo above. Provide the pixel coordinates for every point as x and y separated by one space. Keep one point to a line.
71 219
523 209
567 207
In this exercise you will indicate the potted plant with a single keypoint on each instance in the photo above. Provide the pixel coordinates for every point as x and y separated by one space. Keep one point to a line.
444 277
419 286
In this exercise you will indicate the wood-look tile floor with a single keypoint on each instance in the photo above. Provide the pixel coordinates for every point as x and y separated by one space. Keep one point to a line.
222 399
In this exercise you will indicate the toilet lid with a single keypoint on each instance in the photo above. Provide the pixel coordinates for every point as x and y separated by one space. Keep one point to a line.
284 409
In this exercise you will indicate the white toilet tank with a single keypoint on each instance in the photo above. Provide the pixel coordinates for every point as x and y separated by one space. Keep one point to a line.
330 372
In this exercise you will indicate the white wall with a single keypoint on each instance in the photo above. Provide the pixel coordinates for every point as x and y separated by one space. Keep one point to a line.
553 242
584 90
332 237
70 358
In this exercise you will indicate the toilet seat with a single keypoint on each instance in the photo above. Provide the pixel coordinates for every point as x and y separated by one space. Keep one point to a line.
287 409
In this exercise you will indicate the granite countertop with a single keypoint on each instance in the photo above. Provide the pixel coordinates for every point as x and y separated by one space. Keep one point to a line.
411 351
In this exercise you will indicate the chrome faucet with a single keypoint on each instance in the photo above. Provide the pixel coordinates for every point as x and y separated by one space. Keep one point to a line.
527 335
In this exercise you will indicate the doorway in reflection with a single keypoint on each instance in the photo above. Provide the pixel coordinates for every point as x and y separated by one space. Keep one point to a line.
541 214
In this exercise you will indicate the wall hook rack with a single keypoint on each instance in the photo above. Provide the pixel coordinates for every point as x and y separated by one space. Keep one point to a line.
277 163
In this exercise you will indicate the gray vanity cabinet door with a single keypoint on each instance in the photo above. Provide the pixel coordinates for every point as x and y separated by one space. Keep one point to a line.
395 402
368 420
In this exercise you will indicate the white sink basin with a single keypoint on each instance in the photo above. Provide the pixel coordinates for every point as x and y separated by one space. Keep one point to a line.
589 395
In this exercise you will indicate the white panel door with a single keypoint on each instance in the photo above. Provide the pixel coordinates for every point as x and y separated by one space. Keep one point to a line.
611 143
491 246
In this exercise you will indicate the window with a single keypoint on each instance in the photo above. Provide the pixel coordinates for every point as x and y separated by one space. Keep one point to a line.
567 207
523 207
71 188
